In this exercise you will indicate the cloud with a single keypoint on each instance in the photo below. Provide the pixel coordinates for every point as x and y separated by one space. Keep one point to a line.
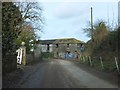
69 10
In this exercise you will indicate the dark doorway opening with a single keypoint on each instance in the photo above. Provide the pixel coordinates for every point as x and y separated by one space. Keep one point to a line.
48 47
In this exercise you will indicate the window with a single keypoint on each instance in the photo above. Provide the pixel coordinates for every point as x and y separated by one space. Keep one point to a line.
57 45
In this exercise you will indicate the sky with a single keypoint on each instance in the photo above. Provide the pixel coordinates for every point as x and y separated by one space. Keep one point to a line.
67 19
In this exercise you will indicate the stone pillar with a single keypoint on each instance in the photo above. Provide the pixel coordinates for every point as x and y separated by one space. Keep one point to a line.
24 53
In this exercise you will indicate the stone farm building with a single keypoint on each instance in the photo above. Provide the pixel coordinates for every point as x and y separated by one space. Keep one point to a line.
61 46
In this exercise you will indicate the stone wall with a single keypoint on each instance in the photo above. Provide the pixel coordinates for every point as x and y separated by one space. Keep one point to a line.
44 48
29 58
61 50
37 52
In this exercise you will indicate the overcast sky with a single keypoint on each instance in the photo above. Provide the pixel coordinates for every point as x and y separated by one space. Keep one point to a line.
67 19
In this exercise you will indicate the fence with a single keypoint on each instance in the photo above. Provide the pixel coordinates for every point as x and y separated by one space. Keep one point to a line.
100 63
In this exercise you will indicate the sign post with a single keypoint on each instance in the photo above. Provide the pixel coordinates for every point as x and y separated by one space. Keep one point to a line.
21 57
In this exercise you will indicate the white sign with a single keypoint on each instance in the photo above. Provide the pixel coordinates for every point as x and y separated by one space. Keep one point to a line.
19 56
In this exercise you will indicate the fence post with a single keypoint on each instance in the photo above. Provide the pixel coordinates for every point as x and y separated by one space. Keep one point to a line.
101 61
80 58
90 61
86 59
83 58
116 64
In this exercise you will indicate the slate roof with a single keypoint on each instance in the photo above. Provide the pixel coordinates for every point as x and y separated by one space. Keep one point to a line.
47 41
61 41
67 41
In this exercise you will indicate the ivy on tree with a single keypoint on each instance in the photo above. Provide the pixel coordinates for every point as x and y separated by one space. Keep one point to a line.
11 19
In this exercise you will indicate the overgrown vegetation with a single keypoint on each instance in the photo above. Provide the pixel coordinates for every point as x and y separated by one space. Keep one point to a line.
20 24
28 36
32 23
11 19
104 44
47 55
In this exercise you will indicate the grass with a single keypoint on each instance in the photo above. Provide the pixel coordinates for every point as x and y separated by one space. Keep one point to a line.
47 55
96 63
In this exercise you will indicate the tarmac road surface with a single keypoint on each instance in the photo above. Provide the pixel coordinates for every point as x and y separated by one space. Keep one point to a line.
59 73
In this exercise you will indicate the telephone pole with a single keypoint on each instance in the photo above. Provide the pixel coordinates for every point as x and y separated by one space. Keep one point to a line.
91 23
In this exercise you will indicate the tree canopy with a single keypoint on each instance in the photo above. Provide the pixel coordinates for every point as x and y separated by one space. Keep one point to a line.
32 22
99 31
11 18
32 14
28 36
20 22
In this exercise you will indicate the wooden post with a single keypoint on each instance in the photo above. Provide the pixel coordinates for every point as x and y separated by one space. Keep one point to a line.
101 61
86 58
83 58
90 61
116 64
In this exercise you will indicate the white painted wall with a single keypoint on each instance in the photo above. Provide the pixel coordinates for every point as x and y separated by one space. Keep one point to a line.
44 48
51 48
37 51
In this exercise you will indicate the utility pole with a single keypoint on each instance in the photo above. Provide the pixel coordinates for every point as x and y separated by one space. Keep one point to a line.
92 23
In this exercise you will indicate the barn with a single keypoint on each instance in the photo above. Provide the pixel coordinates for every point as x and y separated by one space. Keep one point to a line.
62 47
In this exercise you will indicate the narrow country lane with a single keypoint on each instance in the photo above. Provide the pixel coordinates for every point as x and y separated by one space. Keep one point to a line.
59 74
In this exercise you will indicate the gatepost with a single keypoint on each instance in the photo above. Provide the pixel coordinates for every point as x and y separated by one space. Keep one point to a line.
23 53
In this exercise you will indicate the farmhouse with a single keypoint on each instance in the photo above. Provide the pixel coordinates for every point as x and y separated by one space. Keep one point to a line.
62 47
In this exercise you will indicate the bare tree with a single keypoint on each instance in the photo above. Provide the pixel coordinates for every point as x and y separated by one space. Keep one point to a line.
32 14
